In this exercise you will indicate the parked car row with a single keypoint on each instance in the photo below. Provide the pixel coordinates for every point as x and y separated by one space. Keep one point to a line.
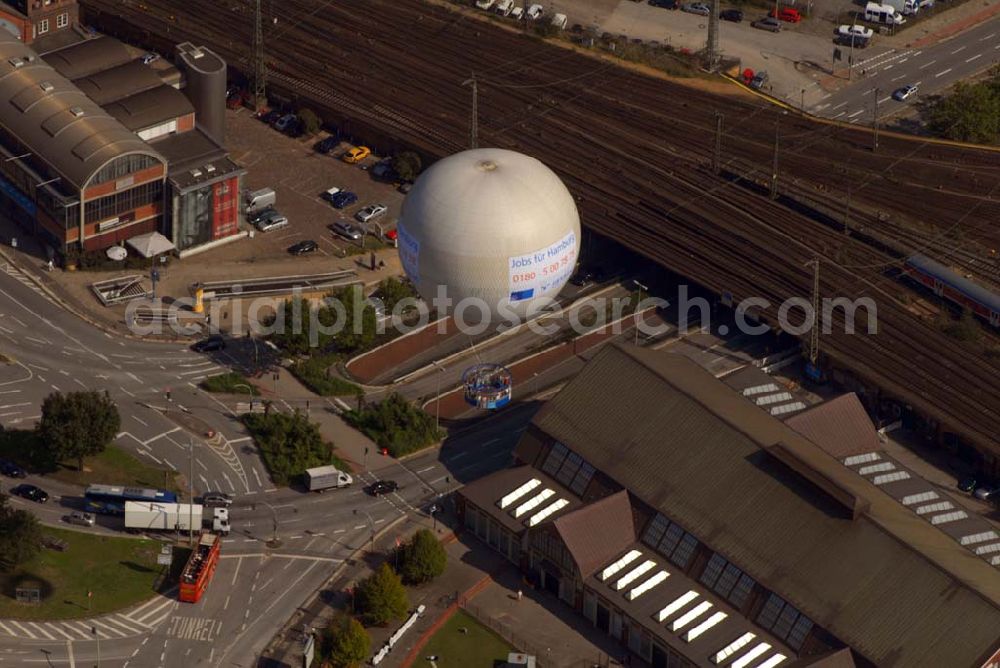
980 490
267 219
289 124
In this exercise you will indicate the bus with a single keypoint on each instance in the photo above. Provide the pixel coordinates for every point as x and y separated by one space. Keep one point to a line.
200 568
110 499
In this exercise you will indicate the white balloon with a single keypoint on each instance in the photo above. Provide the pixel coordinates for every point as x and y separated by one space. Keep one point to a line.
489 226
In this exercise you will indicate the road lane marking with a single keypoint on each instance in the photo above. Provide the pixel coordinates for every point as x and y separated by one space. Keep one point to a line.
859 111
927 64
885 99
41 630
69 654
425 470
838 106
24 630
978 55
58 629
133 376
941 74
257 476
959 49
990 36
80 383
231 485
140 421
360 526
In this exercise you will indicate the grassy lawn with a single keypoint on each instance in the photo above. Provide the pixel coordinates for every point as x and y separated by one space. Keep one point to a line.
114 466
478 647
120 572
227 383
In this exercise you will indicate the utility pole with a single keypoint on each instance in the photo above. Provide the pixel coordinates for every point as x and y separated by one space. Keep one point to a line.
257 63
641 288
774 163
847 208
717 157
474 125
850 59
713 36
191 492
814 330
875 134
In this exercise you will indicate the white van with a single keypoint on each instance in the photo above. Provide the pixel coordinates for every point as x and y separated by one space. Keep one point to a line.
260 199
883 14
560 21
504 7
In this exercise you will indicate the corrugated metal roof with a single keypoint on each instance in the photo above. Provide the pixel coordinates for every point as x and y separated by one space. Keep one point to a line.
598 532
87 57
891 586
119 82
55 120
150 108
840 426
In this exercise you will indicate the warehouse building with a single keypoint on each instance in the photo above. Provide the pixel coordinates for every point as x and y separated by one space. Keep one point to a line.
697 529
102 143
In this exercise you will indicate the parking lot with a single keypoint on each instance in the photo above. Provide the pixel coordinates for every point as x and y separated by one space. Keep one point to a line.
298 175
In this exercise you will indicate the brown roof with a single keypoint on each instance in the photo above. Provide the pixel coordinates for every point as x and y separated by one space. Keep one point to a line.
87 57
54 120
840 658
597 533
150 108
119 82
890 585
486 493
840 426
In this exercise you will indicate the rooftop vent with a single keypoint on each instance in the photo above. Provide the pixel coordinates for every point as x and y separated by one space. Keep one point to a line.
16 62
76 111
209 168
196 53
196 173
46 86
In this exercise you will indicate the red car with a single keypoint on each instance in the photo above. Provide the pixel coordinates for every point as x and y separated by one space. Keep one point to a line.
786 14
391 235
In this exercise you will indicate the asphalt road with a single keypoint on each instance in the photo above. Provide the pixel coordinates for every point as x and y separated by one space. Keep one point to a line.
256 588
933 69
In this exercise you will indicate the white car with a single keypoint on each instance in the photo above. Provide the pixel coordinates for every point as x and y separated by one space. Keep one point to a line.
535 12
329 193
517 13
855 30
484 4
150 58
904 93
371 212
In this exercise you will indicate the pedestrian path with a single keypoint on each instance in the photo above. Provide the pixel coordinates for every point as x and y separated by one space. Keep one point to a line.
136 622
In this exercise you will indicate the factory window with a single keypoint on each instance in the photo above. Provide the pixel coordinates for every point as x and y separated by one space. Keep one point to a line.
106 207
123 166
62 20
43 26
158 131
670 540
784 621
727 580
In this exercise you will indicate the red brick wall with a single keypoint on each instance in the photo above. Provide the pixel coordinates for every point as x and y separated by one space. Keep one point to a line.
399 350
119 234
21 23
185 123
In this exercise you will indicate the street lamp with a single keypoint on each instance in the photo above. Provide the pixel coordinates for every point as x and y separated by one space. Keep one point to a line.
274 542
251 393
437 396
371 526
641 288
93 631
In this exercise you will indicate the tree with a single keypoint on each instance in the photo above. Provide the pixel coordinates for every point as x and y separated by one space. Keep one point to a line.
356 333
288 444
392 291
407 165
422 559
20 536
78 424
310 121
971 113
346 643
381 597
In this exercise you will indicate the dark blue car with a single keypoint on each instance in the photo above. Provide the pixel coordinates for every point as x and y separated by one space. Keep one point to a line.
324 146
343 199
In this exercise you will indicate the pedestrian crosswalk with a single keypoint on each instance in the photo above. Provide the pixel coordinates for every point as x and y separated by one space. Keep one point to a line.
21 278
136 622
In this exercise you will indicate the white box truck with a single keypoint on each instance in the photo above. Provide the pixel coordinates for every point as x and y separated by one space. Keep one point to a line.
147 516
326 477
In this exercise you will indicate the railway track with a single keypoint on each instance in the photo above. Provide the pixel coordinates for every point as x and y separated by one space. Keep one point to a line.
636 152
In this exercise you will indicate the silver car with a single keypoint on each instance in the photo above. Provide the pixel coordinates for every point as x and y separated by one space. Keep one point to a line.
272 223
371 212
348 231
79 518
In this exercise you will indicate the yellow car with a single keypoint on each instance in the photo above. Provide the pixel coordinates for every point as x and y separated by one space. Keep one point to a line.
357 154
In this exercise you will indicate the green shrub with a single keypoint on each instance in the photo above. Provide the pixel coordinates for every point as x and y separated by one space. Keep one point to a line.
315 374
381 597
289 444
345 642
422 558
396 424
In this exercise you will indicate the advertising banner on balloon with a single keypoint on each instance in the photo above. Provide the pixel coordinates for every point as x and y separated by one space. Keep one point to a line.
409 253
535 274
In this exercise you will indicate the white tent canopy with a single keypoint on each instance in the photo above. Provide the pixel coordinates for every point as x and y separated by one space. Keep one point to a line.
150 244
